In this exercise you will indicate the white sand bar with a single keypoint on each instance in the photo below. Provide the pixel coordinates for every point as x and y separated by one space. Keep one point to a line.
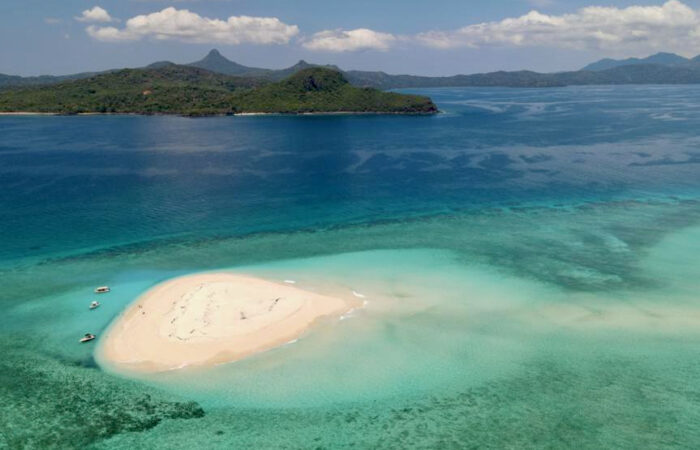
211 318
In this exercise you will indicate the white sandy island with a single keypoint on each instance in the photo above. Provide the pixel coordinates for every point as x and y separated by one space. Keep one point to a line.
212 318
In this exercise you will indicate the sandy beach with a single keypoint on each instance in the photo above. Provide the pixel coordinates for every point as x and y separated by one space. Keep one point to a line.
212 318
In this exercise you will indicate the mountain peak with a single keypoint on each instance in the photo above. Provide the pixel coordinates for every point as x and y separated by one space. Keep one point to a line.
216 62
301 64
215 56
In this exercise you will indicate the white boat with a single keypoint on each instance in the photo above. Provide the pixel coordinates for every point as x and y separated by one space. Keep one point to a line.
102 290
87 338
94 305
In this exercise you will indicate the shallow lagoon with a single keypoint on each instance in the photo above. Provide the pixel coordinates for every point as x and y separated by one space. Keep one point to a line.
528 258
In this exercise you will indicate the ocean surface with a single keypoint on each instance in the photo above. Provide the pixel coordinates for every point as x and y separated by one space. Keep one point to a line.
529 259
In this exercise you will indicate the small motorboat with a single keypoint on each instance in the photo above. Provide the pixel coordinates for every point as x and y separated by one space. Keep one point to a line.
102 290
87 338
94 305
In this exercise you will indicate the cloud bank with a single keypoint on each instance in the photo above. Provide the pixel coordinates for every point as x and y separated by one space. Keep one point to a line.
186 26
673 26
96 14
670 26
349 41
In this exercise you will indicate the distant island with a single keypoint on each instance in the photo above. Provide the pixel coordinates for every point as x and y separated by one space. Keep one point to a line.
661 68
661 59
192 91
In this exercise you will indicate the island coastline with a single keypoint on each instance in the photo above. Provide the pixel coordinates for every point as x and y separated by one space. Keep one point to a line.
241 114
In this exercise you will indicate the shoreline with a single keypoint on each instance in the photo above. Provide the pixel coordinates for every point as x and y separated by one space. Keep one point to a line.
243 114
203 320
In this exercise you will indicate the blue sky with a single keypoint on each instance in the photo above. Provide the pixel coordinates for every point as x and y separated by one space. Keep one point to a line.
438 37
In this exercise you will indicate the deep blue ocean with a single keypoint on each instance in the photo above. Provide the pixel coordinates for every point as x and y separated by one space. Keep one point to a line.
539 247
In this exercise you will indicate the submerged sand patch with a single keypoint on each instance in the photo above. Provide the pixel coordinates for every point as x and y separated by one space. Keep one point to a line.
212 318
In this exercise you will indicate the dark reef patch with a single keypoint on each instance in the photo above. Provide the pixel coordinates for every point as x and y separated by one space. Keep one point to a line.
48 403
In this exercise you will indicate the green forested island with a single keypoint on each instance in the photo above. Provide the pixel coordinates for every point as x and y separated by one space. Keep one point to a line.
193 91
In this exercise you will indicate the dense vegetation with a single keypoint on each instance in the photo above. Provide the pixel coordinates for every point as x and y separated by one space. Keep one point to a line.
173 89
325 90
169 89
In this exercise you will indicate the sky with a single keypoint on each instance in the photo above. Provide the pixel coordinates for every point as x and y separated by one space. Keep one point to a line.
424 37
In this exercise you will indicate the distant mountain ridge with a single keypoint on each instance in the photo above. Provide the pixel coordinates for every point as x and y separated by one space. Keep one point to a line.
214 61
662 58
16 80
661 68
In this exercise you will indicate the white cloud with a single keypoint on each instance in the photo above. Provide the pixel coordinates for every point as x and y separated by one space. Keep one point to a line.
108 34
52 20
351 40
184 25
670 26
96 14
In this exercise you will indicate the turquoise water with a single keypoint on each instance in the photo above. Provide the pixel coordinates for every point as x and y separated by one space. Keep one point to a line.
528 257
